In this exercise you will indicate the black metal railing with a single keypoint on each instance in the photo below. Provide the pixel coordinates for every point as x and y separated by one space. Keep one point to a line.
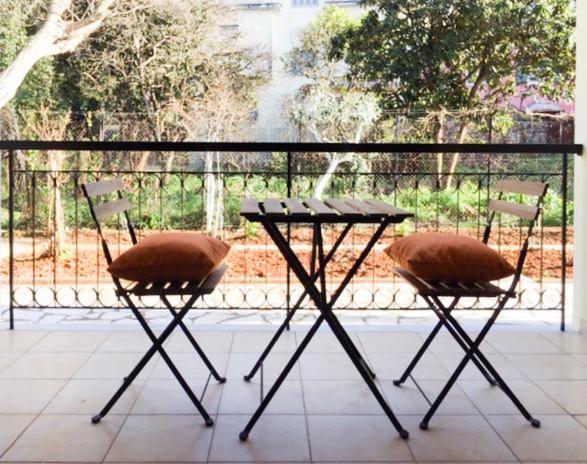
55 261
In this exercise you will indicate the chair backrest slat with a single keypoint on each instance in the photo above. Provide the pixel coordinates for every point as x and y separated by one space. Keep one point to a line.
523 187
515 209
104 210
94 189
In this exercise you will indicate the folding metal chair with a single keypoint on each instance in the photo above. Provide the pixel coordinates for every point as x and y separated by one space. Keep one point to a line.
432 292
191 290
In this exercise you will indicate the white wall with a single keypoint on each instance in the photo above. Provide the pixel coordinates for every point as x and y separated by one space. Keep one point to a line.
275 26
580 253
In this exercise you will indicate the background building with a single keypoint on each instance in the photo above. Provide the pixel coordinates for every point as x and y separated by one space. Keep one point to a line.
274 26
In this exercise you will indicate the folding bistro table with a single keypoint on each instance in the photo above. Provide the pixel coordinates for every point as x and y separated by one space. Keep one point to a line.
348 212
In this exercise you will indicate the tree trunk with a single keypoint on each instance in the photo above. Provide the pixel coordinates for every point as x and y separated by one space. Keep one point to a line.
55 37
56 217
463 128
440 123
210 186
324 181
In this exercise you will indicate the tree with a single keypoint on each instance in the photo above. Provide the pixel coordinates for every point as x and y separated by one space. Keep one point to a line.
328 108
171 62
65 27
459 55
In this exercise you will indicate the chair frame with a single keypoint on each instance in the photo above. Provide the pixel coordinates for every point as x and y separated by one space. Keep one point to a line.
432 292
192 290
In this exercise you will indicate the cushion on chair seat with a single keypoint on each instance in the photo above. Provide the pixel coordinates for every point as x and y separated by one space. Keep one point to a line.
169 257
442 257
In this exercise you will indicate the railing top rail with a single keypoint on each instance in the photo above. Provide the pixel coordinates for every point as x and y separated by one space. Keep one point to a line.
292 147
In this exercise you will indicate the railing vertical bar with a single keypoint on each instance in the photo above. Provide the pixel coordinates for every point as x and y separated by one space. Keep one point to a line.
564 239
11 235
288 275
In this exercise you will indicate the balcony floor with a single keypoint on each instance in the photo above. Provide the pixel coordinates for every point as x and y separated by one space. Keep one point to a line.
51 382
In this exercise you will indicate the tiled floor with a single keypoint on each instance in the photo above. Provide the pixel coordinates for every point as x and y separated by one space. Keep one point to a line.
52 382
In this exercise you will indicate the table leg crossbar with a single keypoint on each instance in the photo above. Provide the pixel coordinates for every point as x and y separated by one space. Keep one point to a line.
325 306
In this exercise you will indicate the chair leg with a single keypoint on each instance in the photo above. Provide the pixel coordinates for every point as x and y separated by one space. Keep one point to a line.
419 354
459 334
195 345
474 349
157 347
501 382
430 338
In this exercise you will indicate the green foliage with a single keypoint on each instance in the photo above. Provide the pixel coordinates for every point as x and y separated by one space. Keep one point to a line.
39 84
459 54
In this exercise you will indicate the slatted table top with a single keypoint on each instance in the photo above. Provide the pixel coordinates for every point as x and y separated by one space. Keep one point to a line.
312 210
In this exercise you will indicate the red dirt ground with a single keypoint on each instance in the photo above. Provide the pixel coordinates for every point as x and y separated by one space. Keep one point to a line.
255 257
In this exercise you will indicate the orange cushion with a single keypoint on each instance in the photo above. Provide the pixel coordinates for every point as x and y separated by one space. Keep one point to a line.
170 256
437 256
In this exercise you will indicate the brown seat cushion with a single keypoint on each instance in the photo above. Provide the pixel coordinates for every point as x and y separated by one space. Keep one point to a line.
170 256
442 257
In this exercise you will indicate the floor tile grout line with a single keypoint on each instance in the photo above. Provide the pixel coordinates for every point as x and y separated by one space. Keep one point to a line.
220 399
65 382
384 394
301 380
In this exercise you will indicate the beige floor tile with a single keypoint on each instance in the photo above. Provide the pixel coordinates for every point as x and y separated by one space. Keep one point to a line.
582 420
339 397
390 366
190 366
511 342
45 366
240 364
126 342
406 399
113 366
11 426
560 438
6 359
328 366
499 362
90 396
492 400
549 366
21 340
210 342
356 438
455 439
274 438
390 342
582 358
570 394
444 343
171 438
27 396
65 439
240 397
168 397
255 342
326 342
82 341
570 342
455 402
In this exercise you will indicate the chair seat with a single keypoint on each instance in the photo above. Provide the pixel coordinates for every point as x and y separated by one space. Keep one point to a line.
460 289
205 286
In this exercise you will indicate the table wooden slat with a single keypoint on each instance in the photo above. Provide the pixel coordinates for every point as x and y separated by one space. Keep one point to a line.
319 207
364 207
273 207
342 207
250 206
389 209
296 207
